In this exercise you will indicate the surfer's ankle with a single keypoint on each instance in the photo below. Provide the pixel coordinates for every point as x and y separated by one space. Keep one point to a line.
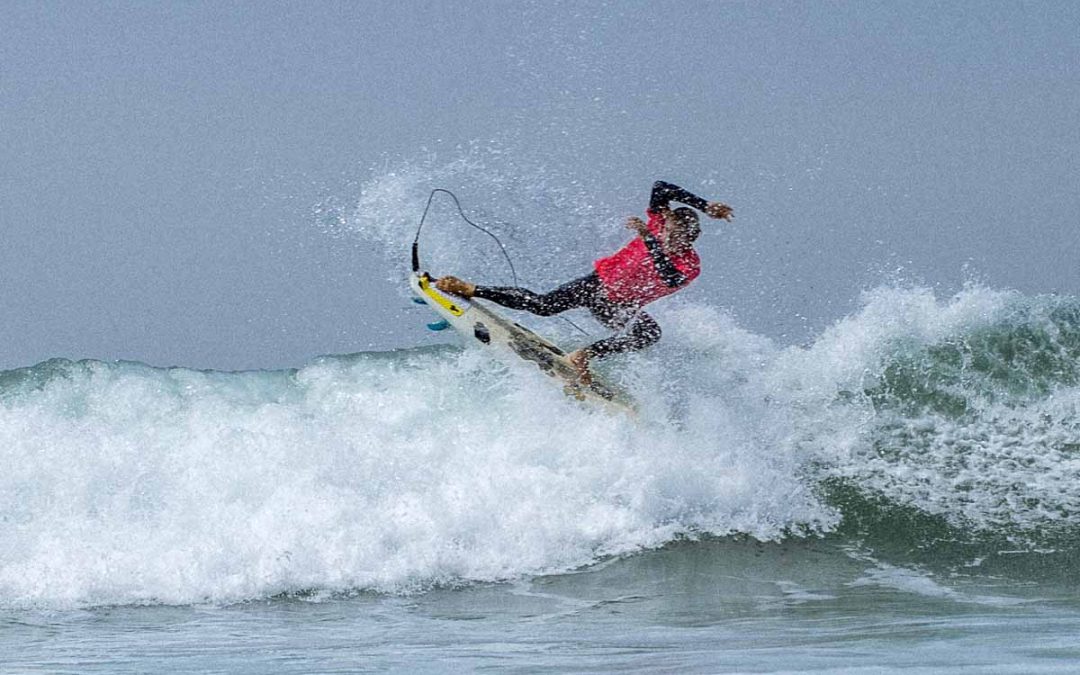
449 284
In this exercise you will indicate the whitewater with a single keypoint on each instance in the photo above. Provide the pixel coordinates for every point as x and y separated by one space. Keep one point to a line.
398 472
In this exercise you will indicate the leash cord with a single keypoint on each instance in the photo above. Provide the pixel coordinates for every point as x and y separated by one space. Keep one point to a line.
461 212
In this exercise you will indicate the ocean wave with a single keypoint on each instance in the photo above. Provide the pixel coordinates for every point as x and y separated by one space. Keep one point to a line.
398 471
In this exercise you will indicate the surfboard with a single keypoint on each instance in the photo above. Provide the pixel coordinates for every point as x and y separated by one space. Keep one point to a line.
479 324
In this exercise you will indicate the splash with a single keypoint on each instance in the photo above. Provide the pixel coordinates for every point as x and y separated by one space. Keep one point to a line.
548 223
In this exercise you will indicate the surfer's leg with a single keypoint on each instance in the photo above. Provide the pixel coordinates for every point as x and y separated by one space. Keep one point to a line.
643 332
510 296
576 293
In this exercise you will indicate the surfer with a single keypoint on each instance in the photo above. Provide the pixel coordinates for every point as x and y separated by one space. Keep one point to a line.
658 262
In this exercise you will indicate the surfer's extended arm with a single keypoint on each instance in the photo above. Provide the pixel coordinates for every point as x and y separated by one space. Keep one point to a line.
664 193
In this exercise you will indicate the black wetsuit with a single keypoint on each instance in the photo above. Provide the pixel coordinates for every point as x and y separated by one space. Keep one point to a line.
588 291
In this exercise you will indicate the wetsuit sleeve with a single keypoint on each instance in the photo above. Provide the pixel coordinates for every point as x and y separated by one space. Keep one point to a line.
665 193
670 274
642 333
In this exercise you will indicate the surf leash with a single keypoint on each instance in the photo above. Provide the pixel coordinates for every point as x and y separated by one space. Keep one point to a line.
461 212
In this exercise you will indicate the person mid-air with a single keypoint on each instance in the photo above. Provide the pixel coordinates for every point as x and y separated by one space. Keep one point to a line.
658 262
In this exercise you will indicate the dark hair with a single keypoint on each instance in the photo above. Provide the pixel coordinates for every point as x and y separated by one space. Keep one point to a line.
688 219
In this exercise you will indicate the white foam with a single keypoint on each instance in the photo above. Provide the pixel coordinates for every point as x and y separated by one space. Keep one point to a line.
393 472
390 473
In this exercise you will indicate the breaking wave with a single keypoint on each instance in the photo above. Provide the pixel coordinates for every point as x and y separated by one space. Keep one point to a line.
398 471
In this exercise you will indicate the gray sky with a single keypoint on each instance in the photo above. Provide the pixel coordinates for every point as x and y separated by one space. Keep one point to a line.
164 165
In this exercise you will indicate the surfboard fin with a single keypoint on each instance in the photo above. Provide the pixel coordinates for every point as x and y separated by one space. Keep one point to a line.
441 324
419 301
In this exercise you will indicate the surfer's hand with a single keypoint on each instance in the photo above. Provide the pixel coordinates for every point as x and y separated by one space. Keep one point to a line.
637 225
719 211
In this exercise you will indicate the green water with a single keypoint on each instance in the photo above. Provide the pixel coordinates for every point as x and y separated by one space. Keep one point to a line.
714 606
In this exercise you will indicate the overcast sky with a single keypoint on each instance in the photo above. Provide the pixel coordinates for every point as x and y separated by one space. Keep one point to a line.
165 165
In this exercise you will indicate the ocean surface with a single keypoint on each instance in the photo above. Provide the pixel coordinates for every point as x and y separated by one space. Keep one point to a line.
900 493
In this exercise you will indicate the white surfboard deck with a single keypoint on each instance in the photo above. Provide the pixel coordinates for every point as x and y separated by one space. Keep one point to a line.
481 325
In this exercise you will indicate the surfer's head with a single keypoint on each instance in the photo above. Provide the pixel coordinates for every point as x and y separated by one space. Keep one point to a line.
682 227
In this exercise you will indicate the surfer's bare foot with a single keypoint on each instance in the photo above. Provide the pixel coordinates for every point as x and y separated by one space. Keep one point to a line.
449 284
580 361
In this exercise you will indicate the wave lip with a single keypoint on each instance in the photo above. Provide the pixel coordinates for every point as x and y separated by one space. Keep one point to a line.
980 422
